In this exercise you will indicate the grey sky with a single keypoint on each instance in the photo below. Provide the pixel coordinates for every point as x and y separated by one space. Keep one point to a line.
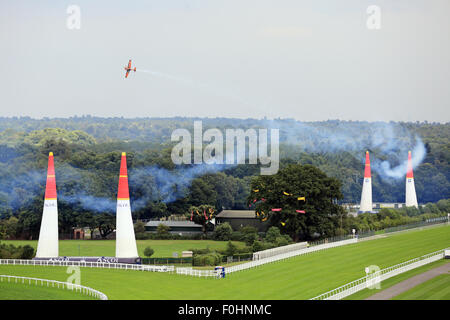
308 60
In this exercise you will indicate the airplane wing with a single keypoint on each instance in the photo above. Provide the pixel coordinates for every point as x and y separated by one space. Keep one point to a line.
128 71
129 64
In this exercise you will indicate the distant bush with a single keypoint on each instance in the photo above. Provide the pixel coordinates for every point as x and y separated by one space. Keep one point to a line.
269 245
13 252
27 252
281 241
148 252
257 246
142 236
394 217
231 249
236 236
249 235
201 251
223 232
208 259
139 227
162 231
263 245
272 234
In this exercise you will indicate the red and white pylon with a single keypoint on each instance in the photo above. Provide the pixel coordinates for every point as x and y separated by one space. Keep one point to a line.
125 238
48 236
410 194
366 194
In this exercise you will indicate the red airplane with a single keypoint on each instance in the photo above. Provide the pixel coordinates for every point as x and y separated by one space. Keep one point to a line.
128 69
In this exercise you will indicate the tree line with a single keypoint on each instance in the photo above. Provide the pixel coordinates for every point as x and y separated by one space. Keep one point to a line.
87 158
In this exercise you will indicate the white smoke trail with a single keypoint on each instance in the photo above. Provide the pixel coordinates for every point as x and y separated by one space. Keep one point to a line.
169 185
399 171
389 142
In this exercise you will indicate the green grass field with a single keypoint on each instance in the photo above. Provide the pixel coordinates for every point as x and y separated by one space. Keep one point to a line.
19 291
437 288
301 277
107 248
363 294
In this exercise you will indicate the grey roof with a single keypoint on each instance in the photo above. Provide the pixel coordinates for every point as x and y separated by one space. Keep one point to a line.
173 224
237 214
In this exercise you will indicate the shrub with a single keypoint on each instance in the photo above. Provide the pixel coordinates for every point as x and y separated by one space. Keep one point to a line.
162 231
236 236
257 246
209 259
12 252
27 252
139 227
281 241
143 236
250 238
249 235
231 249
201 251
272 234
223 232
269 245
148 252
244 250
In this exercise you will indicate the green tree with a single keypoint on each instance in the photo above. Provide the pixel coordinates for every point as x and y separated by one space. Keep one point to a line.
257 246
231 249
148 252
272 234
11 228
223 232
27 252
139 227
286 190
282 241
202 215
249 235
87 220
162 230
106 224
30 220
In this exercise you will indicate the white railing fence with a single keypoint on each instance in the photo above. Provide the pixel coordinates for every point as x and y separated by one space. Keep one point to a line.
55 284
123 266
279 250
196 272
260 258
287 255
377 277
182 271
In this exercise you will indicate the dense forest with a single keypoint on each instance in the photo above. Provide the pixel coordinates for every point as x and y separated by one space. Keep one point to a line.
87 158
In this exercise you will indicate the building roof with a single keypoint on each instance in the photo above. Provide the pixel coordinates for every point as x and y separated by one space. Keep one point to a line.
189 224
237 214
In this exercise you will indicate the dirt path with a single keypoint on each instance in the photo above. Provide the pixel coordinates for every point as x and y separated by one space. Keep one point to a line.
407 284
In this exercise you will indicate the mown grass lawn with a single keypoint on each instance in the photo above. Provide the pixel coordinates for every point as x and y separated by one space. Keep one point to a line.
366 293
301 277
107 248
19 291
437 288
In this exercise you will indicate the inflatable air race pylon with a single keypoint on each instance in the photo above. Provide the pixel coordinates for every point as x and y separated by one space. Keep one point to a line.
48 235
410 195
125 238
366 194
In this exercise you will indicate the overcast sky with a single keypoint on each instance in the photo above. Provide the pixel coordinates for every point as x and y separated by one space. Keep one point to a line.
308 60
